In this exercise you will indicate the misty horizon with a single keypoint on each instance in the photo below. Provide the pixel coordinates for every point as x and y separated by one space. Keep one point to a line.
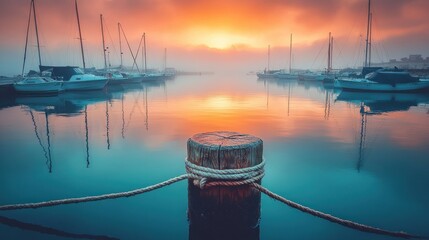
222 37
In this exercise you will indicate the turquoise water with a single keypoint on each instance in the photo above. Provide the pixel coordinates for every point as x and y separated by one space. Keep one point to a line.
362 157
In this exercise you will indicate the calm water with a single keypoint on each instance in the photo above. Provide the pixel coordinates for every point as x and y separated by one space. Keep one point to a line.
368 164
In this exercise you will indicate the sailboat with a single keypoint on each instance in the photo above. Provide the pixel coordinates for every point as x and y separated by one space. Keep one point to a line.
385 80
118 76
378 79
284 74
267 73
73 77
326 76
169 72
155 75
34 83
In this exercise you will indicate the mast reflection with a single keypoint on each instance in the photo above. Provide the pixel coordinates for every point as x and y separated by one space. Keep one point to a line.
66 105
378 103
86 137
46 154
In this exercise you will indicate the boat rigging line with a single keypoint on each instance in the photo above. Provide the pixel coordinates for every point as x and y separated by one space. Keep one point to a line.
80 36
129 47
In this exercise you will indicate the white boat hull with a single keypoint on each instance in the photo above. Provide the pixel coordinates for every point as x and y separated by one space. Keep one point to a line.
114 81
265 75
285 76
153 77
311 77
366 85
38 88
85 85
316 77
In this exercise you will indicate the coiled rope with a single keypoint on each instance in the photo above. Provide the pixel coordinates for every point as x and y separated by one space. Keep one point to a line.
207 177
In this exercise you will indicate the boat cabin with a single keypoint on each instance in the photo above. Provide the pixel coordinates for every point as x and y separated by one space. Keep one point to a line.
63 73
391 76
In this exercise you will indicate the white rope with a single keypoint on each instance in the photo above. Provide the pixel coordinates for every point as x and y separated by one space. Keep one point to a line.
207 177
346 223
94 198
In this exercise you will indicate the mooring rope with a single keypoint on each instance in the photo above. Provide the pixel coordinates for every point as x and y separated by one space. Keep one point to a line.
207 177
95 198
346 223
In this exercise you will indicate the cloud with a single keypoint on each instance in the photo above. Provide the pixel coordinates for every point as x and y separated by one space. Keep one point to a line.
236 25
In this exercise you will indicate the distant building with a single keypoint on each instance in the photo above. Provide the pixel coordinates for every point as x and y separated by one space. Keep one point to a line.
414 61
415 58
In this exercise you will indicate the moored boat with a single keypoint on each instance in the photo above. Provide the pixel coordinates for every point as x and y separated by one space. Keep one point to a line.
153 76
385 80
267 74
319 77
285 75
310 76
117 77
74 78
38 85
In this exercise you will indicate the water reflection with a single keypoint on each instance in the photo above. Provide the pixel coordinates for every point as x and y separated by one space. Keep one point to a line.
65 104
326 148
86 137
372 104
107 125
47 153
328 96
74 104
48 230
385 102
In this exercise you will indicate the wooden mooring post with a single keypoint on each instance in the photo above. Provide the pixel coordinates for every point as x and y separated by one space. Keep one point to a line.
224 212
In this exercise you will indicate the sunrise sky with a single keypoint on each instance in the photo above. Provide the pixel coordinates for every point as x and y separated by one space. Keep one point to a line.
220 35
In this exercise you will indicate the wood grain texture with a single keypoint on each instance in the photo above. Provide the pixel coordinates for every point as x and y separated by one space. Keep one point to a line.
224 212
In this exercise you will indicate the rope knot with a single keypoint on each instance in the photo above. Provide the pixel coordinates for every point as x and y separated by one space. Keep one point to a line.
201 182
204 177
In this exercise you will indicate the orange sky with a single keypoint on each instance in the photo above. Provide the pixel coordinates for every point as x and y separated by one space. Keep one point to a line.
204 34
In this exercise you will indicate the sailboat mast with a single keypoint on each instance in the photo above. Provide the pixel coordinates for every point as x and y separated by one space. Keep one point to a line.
268 58
328 70
332 50
370 40
144 50
37 32
26 38
104 45
368 28
80 35
165 59
120 43
290 55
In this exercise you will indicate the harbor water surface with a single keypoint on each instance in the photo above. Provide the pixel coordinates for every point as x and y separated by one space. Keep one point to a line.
359 156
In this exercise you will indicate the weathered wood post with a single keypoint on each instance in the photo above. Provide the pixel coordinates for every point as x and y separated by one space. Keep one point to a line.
224 212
